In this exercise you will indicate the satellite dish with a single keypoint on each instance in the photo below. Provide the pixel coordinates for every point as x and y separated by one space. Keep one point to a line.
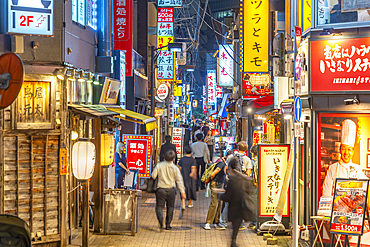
11 78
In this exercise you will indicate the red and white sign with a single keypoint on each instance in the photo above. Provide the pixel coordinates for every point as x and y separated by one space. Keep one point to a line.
340 65
165 15
215 132
249 92
138 153
298 35
218 92
162 91
123 30
177 136
211 82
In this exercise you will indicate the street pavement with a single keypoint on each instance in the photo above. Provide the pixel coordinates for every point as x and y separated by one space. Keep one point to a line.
186 232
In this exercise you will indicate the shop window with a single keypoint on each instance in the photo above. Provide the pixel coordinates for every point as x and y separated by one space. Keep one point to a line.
339 11
84 12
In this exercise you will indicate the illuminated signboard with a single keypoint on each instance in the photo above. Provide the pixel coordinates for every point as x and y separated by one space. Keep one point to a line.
166 66
122 16
218 92
169 3
255 36
177 136
226 69
340 65
271 178
211 86
111 89
137 149
30 17
306 15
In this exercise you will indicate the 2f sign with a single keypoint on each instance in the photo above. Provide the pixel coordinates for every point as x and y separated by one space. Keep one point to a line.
30 17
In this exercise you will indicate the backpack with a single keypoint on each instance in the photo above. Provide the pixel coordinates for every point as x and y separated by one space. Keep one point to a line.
240 163
208 172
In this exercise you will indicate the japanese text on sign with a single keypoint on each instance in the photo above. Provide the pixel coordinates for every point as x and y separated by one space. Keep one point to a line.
165 15
225 70
341 65
211 84
137 149
123 30
255 35
169 3
165 65
273 161
177 138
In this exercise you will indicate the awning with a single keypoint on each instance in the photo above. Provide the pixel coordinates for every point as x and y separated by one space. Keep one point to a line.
223 112
263 104
150 122
92 111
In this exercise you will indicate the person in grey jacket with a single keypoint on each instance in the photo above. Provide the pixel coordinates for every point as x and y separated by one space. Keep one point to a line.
168 175
200 152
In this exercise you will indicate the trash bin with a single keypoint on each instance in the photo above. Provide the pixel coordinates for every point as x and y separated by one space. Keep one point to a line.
121 211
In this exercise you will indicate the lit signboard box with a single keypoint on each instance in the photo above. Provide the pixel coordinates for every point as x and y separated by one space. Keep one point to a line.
30 17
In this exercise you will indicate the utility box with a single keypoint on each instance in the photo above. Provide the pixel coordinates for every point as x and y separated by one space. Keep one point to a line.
121 211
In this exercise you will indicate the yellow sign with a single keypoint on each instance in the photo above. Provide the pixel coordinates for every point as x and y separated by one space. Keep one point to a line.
158 112
177 91
306 15
178 81
273 161
63 161
255 36
163 41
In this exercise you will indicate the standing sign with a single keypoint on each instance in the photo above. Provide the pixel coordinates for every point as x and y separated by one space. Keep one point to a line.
137 149
122 16
226 69
349 206
297 109
270 178
177 138
340 65
211 82
30 17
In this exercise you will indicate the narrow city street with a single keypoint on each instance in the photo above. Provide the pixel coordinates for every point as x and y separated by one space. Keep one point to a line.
186 232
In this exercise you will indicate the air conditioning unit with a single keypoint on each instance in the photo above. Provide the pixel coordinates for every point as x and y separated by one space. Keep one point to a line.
291 87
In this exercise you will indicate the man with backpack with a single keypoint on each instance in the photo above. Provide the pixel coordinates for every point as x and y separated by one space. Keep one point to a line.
244 165
216 180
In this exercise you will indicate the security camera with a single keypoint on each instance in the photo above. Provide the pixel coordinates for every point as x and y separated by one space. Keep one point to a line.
352 101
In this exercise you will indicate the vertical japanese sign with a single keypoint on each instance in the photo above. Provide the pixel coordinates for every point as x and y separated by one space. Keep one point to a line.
306 14
211 86
177 138
122 76
349 205
204 98
340 65
166 66
30 17
226 69
137 149
323 12
219 92
255 35
63 161
169 3
273 161
164 27
122 17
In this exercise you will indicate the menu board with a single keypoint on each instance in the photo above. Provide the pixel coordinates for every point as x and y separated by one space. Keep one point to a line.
349 205
177 138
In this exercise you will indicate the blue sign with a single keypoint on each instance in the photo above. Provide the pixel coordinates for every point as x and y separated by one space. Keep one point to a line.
297 109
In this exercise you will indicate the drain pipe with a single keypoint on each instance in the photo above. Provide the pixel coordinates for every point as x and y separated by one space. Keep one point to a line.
104 58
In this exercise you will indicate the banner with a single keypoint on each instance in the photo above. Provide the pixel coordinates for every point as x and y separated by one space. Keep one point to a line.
137 149
226 69
177 138
272 163
211 87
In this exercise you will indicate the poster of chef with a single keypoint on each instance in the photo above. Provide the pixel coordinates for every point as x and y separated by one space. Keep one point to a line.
343 152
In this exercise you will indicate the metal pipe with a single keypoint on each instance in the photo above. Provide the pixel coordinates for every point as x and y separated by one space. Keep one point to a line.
85 214
104 15
152 84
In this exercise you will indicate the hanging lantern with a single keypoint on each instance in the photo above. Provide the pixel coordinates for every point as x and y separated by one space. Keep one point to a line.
107 149
83 160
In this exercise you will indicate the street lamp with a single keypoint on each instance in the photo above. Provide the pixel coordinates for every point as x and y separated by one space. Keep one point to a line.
173 47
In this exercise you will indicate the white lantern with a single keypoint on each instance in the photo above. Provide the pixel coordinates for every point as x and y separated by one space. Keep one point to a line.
83 160
107 149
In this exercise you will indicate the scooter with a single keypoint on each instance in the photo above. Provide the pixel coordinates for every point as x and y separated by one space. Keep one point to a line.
14 232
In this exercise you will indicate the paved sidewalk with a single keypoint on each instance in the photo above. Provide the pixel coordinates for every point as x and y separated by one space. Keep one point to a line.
195 235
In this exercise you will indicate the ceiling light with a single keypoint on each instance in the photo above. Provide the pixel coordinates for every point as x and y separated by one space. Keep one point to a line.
287 116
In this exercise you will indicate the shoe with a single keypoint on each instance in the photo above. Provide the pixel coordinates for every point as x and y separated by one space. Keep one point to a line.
241 228
207 226
160 226
190 205
218 227
168 227
251 227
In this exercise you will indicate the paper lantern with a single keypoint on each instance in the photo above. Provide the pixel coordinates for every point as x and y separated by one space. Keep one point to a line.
83 160
107 149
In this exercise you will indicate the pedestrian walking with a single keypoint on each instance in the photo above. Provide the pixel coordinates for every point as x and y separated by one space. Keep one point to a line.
188 169
200 152
121 165
244 164
168 175
238 194
215 181
205 129
210 140
167 146
196 132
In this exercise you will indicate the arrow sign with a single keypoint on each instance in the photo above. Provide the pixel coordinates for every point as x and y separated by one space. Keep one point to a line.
297 109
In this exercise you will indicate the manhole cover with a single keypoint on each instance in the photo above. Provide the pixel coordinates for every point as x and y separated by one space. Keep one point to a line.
180 228
150 200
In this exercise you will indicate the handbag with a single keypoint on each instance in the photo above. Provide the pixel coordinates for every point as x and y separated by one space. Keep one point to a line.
152 185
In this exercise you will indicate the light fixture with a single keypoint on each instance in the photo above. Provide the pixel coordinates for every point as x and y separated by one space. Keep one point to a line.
83 159
352 101
175 47
88 76
190 68
96 80
287 116
70 73
249 109
74 135
329 32
59 73
107 149
80 75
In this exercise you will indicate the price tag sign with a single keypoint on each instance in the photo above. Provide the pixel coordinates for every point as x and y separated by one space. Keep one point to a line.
349 205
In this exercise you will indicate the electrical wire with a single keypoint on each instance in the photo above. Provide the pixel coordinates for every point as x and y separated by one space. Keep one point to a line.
213 17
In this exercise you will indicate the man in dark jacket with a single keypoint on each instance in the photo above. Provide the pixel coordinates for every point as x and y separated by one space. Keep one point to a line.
239 193
167 146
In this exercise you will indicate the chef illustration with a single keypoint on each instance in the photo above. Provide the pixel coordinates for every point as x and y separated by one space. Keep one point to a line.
344 168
